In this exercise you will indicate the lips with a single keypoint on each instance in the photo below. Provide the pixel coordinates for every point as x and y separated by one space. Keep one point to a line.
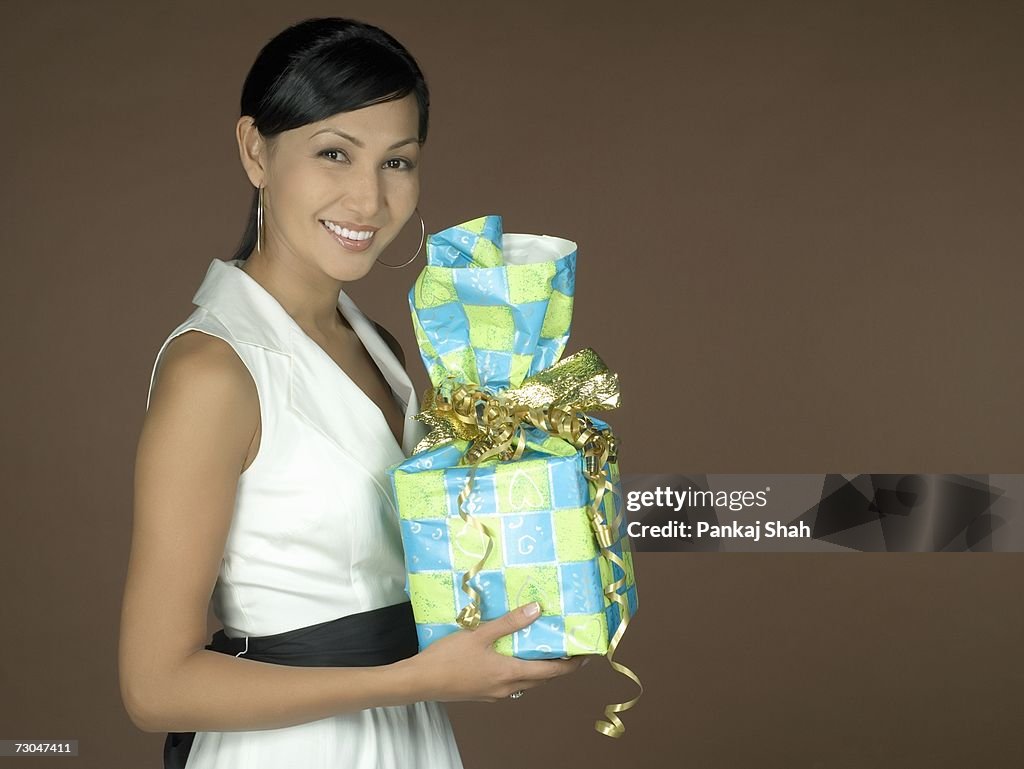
349 244
350 230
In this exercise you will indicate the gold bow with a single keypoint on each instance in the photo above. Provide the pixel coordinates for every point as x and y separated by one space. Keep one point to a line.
581 382
552 400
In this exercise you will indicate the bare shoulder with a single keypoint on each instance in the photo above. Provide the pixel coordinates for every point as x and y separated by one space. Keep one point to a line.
203 415
200 368
388 337
203 353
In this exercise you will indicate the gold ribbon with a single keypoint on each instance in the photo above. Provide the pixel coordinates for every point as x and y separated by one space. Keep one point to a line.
552 400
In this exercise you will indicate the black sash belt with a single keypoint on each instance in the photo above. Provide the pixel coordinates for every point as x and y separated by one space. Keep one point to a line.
370 638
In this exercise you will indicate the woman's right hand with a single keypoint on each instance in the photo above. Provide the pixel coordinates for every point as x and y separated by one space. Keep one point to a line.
464 665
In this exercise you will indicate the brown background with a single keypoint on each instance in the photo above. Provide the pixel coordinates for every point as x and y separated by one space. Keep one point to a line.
799 231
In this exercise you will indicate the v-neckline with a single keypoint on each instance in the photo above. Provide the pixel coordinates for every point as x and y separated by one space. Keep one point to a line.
355 385
343 310
377 364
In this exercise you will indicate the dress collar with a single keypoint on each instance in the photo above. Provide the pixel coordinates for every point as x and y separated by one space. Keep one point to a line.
255 317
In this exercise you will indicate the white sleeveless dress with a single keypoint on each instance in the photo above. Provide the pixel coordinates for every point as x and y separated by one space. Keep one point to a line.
314 535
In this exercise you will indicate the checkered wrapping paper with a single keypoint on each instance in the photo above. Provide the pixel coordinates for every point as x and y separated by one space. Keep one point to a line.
485 320
543 548
492 309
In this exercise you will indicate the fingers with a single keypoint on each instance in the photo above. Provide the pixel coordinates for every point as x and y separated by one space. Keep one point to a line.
510 622
543 670
533 673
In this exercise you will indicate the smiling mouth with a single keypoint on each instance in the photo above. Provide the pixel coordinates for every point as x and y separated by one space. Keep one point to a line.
351 240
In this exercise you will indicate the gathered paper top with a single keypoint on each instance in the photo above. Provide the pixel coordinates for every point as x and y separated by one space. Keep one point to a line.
492 308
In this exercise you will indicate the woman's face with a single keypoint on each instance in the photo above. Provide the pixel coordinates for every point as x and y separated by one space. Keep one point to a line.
358 170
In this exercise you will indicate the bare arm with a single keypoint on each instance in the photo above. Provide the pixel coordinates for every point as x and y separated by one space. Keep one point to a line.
203 416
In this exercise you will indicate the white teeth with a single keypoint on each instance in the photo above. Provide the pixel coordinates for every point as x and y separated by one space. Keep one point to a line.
345 232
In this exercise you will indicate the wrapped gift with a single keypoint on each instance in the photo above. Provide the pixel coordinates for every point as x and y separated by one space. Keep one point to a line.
513 495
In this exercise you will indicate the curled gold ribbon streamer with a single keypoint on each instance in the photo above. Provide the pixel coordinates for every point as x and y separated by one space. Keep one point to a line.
552 400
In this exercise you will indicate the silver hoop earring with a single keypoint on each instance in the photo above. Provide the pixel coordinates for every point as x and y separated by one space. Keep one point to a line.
259 222
423 232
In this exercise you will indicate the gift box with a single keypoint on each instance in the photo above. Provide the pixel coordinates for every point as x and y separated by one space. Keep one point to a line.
513 496
543 547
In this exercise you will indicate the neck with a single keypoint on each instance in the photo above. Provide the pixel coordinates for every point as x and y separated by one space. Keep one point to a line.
311 301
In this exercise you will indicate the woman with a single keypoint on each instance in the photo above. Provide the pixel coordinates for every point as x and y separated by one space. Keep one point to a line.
260 467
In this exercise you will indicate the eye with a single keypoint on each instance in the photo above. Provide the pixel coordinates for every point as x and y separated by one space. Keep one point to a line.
325 153
409 165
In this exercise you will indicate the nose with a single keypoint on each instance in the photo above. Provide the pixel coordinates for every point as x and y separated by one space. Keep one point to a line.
364 195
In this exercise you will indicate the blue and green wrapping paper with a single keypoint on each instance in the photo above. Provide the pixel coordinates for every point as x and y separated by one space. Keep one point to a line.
492 313
492 308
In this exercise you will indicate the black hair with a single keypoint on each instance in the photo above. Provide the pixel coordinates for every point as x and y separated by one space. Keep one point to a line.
318 68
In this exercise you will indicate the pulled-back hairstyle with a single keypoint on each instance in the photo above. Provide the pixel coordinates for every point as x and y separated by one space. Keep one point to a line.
318 68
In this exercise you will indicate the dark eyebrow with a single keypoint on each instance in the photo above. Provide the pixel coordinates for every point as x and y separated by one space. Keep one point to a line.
358 143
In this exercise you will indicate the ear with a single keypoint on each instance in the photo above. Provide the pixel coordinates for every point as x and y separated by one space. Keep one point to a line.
252 150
